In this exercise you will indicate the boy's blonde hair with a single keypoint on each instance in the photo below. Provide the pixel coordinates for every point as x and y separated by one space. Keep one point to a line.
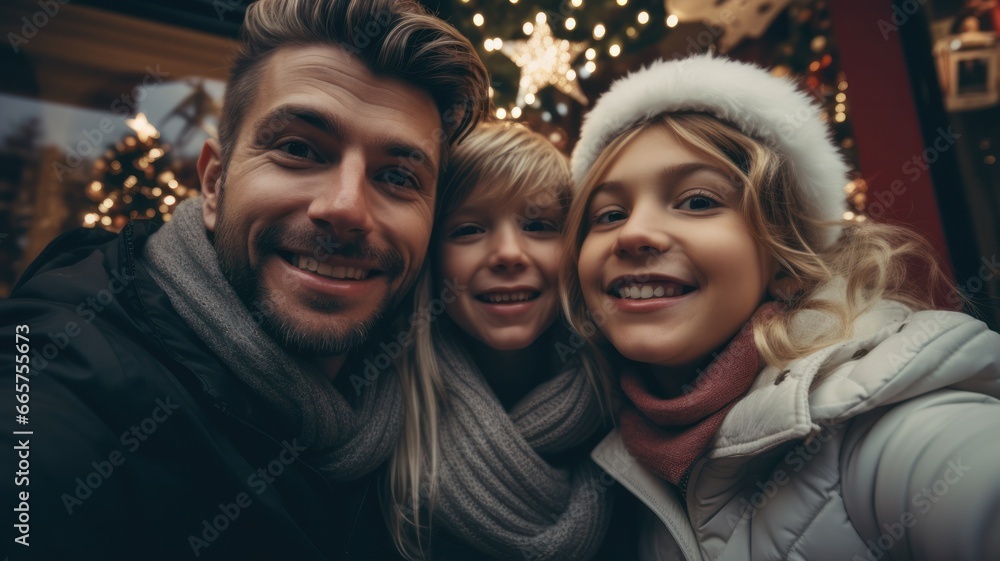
874 261
497 163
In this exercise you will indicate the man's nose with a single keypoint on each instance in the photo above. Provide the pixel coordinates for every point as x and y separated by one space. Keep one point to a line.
342 200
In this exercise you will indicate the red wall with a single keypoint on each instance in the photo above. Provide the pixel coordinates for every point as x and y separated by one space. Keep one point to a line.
891 148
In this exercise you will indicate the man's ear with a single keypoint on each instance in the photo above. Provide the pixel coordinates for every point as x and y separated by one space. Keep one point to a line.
210 173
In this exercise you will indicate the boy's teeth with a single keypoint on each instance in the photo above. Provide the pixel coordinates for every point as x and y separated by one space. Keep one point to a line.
497 298
336 272
644 291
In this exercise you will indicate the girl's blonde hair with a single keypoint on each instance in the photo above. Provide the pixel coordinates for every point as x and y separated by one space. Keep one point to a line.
497 163
874 261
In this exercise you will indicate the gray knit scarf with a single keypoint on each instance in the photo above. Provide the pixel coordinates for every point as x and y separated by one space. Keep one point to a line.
496 493
347 439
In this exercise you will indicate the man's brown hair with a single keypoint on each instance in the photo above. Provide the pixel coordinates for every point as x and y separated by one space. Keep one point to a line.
396 38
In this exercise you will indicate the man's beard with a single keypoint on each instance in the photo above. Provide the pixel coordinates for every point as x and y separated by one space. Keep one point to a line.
246 280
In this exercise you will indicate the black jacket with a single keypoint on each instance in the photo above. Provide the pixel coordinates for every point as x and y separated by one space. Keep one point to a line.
143 444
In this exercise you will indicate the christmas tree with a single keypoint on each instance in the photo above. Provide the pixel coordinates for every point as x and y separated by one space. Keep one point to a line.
135 180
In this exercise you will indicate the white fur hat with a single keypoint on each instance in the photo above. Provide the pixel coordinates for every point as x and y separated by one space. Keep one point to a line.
770 109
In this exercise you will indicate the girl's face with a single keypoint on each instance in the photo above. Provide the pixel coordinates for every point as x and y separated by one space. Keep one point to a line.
669 253
506 267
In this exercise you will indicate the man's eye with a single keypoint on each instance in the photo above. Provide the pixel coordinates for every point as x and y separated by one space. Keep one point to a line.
299 150
398 178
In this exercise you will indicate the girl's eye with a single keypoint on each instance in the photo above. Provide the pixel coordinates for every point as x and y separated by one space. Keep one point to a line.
465 230
398 178
698 202
540 226
299 149
610 216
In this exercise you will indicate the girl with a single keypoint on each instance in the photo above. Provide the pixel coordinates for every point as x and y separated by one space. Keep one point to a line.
493 463
788 389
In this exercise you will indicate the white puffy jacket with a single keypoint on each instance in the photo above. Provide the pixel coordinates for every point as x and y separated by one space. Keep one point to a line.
883 447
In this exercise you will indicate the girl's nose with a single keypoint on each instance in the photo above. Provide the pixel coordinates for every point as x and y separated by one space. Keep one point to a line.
644 232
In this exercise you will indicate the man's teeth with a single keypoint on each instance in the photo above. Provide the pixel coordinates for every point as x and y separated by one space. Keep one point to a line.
644 291
497 298
323 269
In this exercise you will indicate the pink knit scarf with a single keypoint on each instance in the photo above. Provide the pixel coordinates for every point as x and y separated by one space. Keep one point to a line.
668 435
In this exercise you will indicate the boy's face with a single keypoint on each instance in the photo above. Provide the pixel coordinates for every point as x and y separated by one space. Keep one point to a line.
669 251
327 205
509 266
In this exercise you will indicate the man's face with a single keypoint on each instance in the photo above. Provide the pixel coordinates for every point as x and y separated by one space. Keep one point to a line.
323 215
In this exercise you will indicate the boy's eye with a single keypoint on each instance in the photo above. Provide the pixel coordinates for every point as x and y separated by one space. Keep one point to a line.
398 178
465 230
299 149
540 226
610 216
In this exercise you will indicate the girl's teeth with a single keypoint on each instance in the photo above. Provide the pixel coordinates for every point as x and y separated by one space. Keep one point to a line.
647 291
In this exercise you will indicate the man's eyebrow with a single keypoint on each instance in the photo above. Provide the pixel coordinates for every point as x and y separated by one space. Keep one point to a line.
405 151
283 115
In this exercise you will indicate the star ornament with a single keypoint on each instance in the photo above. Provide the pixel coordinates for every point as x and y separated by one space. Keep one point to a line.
545 61
142 127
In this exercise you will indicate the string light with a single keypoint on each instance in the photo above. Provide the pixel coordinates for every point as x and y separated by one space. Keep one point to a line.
478 20
515 112
501 113
615 50
672 20
570 24
643 17
599 31
529 98
540 18
622 2
590 54
576 3
528 28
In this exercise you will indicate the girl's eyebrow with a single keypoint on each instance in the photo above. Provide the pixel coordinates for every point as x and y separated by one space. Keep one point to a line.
667 175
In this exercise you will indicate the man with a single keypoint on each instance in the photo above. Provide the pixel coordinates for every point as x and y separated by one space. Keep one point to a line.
206 389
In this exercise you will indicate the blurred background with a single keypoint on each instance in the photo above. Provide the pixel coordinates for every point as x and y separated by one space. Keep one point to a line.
104 105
